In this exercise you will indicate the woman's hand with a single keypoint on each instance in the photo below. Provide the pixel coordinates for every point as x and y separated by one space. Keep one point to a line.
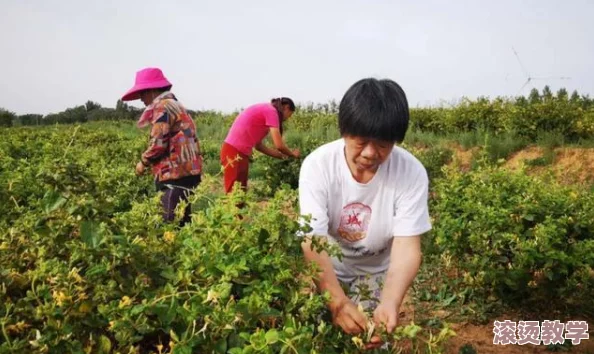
139 168
346 315
386 316
374 342
353 321
270 152
279 144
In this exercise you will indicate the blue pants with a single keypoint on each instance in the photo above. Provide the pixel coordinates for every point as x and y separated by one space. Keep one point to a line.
173 193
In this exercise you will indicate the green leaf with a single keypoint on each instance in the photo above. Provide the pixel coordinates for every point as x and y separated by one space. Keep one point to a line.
104 345
168 273
137 309
467 349
411 330
90 233
511 283
449 300
221 346
96 270
165 312
234 340
173 336
52 200
271 336
263 237
182 349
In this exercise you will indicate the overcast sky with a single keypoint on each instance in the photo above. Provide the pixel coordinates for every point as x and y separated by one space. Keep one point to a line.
224 55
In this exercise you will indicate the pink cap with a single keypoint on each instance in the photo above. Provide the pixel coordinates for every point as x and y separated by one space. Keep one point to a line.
148 78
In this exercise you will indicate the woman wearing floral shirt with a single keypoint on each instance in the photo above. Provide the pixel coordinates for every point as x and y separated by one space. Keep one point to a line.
173 154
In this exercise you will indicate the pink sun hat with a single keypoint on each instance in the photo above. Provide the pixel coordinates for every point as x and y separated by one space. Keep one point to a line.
147 78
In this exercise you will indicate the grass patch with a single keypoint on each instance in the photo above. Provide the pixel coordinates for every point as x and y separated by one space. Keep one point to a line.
434 159
212 167
502 146
550 140
546 159
469 139
585 143
424 139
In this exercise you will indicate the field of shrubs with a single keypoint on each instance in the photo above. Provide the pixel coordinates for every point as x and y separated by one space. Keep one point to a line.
89 267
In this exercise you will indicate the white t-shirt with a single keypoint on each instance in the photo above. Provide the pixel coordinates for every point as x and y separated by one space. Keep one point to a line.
363 218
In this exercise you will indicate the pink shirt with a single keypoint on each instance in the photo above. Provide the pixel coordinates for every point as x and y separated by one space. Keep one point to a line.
251 126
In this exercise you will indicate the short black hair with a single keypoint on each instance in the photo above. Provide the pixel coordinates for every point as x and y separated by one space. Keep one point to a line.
374 109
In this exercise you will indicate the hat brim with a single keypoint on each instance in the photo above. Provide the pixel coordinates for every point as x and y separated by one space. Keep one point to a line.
134 92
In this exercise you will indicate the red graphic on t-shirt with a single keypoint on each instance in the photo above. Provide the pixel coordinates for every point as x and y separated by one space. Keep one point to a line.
354 221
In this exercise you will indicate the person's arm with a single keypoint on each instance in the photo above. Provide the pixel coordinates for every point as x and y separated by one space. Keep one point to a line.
327 280
280 145
313 201
159 141
405 260
411 220
268 151
344 311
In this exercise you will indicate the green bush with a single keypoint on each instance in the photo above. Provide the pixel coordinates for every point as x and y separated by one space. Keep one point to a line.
571 119
7 118
516 237
433 159
503 146
89 266
276 173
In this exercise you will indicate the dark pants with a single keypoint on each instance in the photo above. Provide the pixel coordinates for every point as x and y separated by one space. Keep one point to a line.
174 192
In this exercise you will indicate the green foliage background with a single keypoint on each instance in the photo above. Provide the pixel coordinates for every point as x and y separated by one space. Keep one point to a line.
88 265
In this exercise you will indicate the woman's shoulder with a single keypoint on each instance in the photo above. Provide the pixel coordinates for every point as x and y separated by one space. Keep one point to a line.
322 160
256 111
260 107
403 162
326 153
170 103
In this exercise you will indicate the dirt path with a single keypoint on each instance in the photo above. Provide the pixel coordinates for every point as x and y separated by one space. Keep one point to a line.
481 339
569 166
480 336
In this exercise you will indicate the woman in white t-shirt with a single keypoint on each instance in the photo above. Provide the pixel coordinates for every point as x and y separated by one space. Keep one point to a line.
370 198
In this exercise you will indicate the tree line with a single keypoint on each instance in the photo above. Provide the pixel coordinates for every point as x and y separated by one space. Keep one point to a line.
92 111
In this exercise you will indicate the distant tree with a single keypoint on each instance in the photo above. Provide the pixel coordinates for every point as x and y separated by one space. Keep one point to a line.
122 106
103 114
198 113
75 115
29 119
534 96
547 94
575 97
521 101
562 94
333 106
6 117
587 102
124 111
90 105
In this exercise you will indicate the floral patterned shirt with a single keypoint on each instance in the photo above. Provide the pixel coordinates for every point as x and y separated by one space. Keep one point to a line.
174 148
